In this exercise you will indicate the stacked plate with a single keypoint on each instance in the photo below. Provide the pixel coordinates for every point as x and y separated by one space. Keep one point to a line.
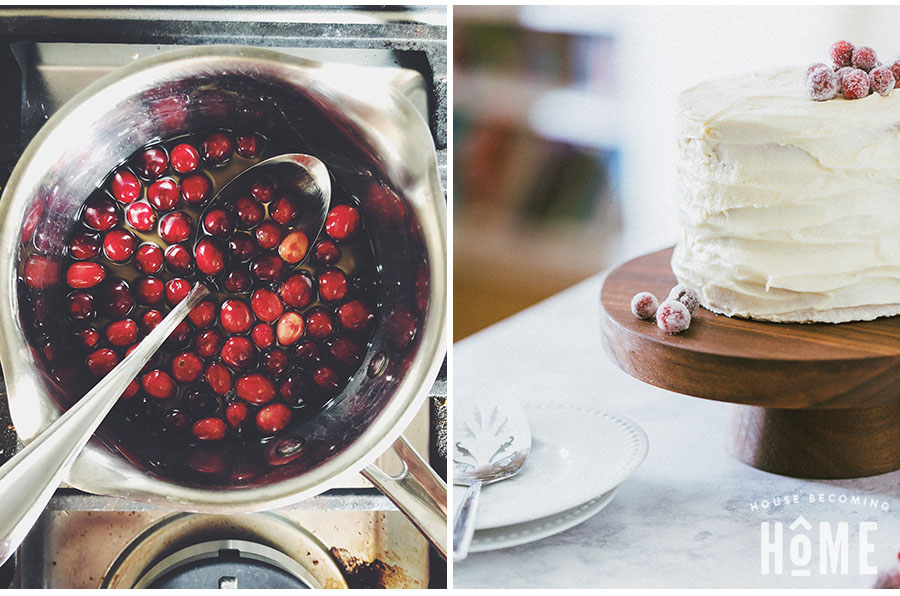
579 457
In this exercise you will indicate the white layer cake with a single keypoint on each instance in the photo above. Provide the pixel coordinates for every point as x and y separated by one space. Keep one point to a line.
790 208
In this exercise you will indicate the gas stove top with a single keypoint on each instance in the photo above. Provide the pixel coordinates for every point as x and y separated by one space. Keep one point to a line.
349 536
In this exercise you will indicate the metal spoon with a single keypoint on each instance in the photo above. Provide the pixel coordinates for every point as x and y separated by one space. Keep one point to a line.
492 444
28 480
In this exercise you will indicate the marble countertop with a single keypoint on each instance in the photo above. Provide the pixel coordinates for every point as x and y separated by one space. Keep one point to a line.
691 516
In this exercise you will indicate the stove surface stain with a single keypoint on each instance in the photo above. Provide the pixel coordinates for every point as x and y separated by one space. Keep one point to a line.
371 574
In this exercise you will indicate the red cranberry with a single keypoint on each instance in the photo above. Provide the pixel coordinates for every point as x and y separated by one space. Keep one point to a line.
149 258
326 252
119 245
149 290
187 367
275 362
218 223
242 247
84 245
174 422
354 315
210 256
237 413
140 216
326 380
177 290
195 189
121 333
267 267
269 234
184 158
42 272
163 195
342 222
239 353
284 210
273 418
249 212
150 319
248 145
115 298
263 336
125 187
204 314
255 388
207 343
87 338
151 163
237 281
176 227
294 247
319 323
295 389
235 316
386 206
218 377
102 361
263 189
332 284
345 352
216 148
209 429
81 306
307 353
100 213
401 328
131 390
842 53
297 290
266 305
158 384
82 276
289 328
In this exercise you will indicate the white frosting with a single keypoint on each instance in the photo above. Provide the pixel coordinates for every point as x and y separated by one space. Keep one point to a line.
790 207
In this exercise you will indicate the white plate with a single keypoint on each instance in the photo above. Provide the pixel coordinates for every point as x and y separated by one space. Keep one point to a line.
578 453
497 538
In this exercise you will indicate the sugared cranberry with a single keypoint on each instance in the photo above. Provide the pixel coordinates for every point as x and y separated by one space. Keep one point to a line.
673 316
87 338
644 305
184 158
401 327
895 70
345 351
284 210
237 413
82 276
289 328
210 256
204 314
326 380
307 353
149 258
275 362
811 69
177 290
269 234
158 384
342 222
209 429
882 79
115 299
207 343
41 272
332 284
266 305
195 189
218 223
175 227
248 145
125 187
174 422
273 418
216 148
326 252
254 388
81 306
102 361
319 323
687 296
249 212
218 377
822 84
267 267
149 290
121 333
119 245
151 163
84 245
863 58
100 213
187 367
354 315
242 247
294 247
150 319
263 336
163 195
842 53
263 189
297 290
237 281
239 353
140 216
235 316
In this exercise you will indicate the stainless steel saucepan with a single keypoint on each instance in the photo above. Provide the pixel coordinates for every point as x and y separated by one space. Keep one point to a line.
377 147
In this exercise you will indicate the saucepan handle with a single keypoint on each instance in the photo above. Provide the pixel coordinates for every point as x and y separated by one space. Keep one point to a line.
418 492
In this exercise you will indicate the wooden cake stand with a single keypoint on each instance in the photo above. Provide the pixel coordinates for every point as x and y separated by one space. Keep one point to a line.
816 401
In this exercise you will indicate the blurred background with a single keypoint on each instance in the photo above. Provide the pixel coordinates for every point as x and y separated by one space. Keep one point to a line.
565 124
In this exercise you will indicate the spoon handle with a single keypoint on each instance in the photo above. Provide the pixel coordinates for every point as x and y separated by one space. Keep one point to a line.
464 524
29 479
